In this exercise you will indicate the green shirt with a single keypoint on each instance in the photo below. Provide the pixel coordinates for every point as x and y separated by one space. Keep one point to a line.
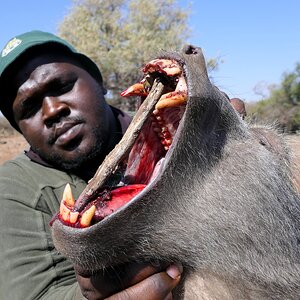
31 268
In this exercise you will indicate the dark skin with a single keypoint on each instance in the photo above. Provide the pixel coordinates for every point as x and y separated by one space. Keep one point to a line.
60 109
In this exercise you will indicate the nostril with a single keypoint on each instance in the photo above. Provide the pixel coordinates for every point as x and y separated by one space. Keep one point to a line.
189 49
56 117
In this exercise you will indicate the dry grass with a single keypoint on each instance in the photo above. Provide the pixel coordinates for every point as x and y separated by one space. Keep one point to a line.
6 129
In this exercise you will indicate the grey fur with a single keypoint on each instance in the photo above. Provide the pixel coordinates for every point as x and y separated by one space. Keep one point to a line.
224 206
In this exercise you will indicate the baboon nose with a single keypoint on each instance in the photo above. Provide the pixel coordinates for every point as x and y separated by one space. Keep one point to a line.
190 49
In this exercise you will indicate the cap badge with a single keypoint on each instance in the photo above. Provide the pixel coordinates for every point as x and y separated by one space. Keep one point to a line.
11 45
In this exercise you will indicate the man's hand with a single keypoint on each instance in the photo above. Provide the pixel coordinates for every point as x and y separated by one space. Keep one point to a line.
134 281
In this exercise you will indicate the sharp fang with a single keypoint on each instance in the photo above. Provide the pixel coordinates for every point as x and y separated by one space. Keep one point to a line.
176 98
87 216
64 211
137 89
68 196
171 99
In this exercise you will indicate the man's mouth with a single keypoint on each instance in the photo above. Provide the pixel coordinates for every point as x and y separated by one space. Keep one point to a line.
66 132
136 161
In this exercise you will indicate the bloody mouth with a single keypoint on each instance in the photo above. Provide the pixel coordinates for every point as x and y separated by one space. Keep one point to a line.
138 169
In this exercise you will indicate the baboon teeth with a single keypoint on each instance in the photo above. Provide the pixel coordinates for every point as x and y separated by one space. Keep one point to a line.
66 205
68 196
168 67
64 211
177 97
137 89
87 216
74 216
171 99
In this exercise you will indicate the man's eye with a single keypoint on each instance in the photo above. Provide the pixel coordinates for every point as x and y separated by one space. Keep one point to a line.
29 108
64 88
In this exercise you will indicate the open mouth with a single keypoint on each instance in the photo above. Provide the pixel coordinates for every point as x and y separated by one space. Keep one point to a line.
136 161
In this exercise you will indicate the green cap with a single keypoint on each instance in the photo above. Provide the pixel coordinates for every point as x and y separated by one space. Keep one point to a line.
21 44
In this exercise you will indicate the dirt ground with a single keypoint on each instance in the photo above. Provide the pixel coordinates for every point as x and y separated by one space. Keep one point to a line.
11 146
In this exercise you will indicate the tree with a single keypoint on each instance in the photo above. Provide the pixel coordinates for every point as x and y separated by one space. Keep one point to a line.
283 105
120 36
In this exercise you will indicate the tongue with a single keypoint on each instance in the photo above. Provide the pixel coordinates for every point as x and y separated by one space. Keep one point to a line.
118 198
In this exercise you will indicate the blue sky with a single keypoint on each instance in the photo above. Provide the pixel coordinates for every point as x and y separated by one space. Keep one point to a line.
257 40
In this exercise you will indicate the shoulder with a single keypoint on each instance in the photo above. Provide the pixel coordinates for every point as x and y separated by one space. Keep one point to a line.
35 185
23 169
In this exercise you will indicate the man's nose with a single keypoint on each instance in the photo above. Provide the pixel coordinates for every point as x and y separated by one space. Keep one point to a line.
53 110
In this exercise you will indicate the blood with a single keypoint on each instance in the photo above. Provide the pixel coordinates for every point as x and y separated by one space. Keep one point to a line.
118 198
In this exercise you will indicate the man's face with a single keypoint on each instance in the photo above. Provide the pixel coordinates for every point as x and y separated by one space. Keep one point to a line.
60 109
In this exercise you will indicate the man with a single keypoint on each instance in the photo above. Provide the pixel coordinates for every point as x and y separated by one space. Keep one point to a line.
54 96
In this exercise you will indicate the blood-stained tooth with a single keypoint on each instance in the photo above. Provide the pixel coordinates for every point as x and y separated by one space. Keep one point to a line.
64 211
74 216
168 142
175 98
87 216
68 196
137 89
165 66
172 99
170 68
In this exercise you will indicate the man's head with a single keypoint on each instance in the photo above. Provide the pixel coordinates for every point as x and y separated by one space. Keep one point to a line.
54 96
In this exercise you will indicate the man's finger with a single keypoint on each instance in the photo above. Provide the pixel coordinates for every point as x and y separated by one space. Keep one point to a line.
156 287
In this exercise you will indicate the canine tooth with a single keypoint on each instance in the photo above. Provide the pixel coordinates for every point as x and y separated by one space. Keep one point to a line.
158 118
171 101
155 112
166 148
68 196
137 89
87 216
64 212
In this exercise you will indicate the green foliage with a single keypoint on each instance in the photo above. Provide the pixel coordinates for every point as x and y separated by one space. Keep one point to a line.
120 36
283 105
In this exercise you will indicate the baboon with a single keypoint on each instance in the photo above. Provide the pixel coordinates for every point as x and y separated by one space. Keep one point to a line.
222 203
